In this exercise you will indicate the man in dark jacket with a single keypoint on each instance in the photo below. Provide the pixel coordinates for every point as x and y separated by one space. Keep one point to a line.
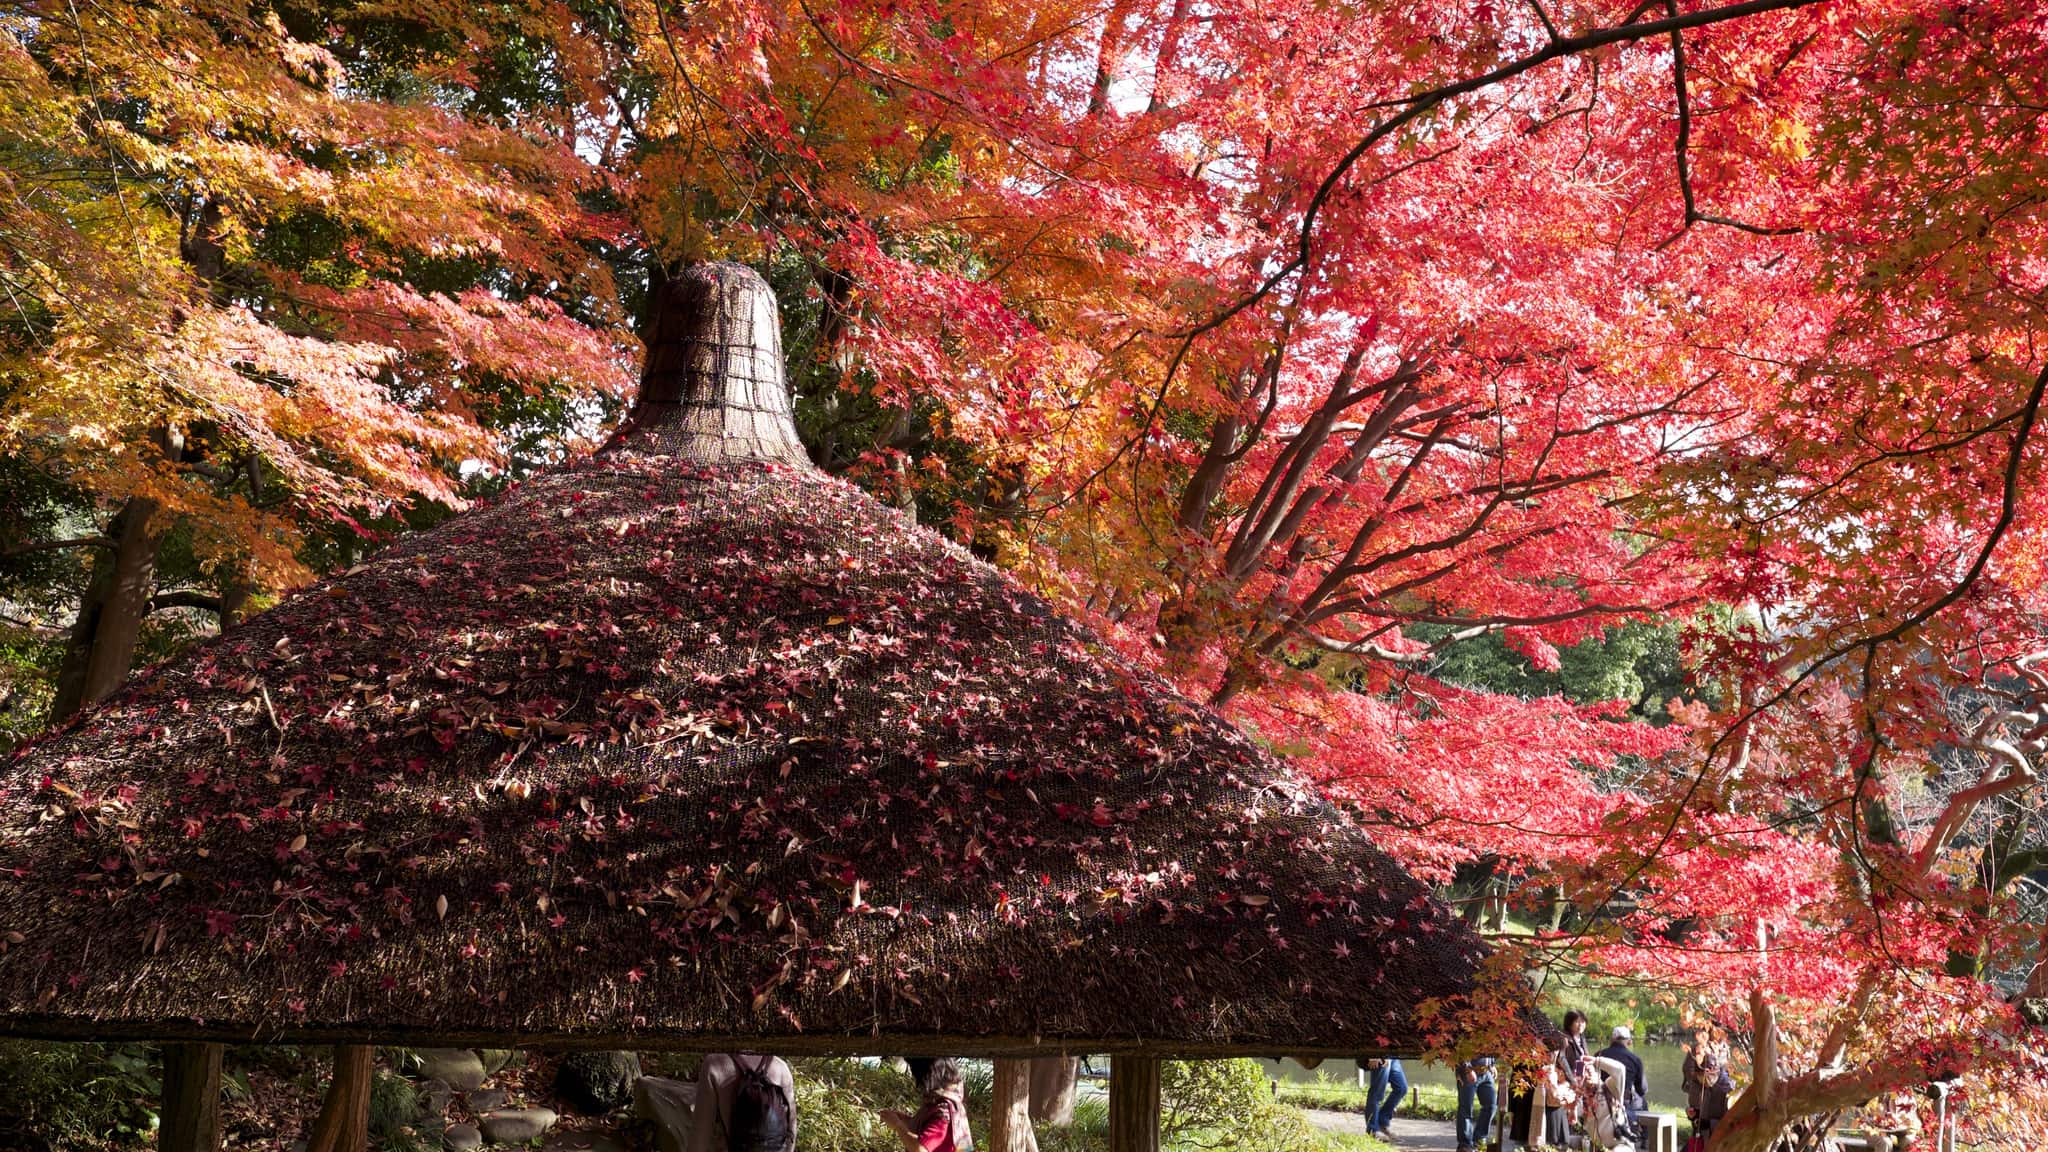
1636 1094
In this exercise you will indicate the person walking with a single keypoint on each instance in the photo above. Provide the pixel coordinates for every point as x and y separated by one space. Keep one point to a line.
744 1104
941 1123
1477 1096
1389 1086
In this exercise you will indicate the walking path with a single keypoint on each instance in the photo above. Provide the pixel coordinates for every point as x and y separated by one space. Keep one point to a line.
1408 1132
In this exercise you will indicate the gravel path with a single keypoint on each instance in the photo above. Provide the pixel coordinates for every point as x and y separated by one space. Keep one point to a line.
1426 1135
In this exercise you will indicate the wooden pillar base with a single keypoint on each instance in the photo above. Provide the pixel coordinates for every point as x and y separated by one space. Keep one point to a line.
191 1115
1133 1104
1010 1122
344 1121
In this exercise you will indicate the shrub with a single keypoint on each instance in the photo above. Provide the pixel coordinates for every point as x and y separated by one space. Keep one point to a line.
1088 1133
398 1113
837 1102
77 1095
1227 1104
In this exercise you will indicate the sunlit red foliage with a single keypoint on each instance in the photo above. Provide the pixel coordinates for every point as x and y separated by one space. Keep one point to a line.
1280 335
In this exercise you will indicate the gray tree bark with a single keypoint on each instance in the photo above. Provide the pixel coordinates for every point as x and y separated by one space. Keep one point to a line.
1054 1083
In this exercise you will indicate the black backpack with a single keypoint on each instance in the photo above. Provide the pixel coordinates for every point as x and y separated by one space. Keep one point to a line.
760 1120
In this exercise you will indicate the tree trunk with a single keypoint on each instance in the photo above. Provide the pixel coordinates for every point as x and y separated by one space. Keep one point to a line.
1134 1104
2037 980
101 648
1054 1082
344 1121
191 1114
236 586
1010 1121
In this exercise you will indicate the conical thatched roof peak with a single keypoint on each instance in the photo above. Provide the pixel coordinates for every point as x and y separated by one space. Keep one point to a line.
691 745
714 387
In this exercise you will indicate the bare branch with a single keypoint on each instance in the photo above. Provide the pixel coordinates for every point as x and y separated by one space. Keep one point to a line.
184 598
55 545
1369 647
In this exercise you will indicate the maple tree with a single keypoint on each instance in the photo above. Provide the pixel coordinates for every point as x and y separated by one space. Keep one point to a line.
1337 360
250 301
1307 348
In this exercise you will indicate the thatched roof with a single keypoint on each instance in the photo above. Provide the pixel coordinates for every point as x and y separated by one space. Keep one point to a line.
687 745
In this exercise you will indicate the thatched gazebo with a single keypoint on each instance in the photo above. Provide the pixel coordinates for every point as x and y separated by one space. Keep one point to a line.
690 746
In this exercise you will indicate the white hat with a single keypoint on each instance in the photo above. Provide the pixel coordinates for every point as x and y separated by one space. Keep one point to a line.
1621 1032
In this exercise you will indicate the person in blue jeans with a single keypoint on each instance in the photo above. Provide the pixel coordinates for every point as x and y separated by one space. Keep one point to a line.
1475 1087
1389 1086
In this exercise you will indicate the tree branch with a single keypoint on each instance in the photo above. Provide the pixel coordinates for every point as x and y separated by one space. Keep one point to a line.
1370 647
1693 215
184 598
54 545
1412 107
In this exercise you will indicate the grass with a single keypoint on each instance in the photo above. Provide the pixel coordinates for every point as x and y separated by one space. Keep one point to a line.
1351 1142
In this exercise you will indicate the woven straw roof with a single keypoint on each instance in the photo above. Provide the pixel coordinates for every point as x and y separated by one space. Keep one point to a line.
689 745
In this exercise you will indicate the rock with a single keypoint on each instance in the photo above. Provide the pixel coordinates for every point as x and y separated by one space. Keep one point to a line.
462 1138
458 1068
594 1083
518 1125
487 1100
560 1141
435 1095
667 1105
495 1059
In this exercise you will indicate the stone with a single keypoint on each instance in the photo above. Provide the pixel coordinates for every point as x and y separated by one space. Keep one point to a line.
518 1125
487 1100
495 1059
594 1083
458 1068
462 1138
561 1141
666 1104
436 1095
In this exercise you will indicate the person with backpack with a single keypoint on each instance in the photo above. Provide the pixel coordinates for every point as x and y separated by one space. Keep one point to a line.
745 1103
941 1124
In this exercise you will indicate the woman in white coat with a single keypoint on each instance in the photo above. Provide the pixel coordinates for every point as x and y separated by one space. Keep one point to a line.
1606 1107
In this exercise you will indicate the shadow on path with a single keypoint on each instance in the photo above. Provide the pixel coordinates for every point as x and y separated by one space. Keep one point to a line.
1408 1132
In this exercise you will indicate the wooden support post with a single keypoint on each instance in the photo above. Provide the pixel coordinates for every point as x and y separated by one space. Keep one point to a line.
344 1121
1134 1104
1055 1081
1009 1127
191 1115
1503 1092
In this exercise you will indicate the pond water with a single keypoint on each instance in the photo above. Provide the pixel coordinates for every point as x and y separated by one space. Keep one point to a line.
1661 1065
